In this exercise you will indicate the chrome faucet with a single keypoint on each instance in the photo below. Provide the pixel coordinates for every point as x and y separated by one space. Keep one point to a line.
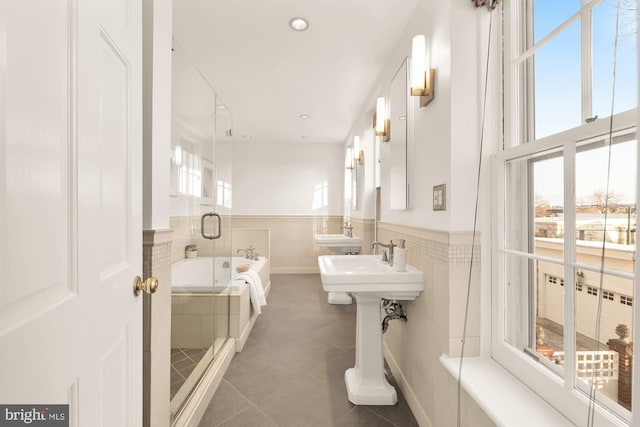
348 229
249 253
387 256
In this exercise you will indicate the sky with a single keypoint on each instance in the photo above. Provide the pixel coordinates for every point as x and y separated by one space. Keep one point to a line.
591 173
558 93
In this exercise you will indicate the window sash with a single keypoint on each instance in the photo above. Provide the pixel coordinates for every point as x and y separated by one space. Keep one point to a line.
563 390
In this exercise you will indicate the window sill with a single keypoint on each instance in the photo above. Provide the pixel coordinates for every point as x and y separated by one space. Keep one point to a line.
504 398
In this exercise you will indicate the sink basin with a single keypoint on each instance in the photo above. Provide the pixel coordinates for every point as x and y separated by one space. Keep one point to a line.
338 243
366 273
369 280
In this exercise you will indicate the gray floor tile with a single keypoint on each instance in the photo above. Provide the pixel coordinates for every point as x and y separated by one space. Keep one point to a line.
362 417
258 377
304 402
183 364
250 417
399 414
338 333
226 403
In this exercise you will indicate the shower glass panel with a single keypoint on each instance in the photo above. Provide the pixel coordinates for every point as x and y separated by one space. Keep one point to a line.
200 183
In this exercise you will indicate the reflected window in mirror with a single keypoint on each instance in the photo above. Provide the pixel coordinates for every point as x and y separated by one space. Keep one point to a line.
399 141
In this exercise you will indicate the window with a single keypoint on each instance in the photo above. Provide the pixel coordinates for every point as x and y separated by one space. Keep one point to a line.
190 175
625 300
607 295
320 195
555 213
224 194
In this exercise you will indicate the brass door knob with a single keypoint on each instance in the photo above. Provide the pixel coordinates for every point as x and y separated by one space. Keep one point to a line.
149 286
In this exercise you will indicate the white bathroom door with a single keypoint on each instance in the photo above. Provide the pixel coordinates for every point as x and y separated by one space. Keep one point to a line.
70 207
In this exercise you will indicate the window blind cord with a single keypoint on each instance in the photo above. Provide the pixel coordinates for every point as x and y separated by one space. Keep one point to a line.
475 223
596 340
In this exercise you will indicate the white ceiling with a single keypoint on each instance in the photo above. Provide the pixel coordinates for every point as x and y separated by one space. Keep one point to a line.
268 74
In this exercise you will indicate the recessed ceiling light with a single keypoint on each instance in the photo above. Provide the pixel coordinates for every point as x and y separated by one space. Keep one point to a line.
298 24
304 116
305 138
246 137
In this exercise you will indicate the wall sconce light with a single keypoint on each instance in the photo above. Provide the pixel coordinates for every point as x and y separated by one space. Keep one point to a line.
380 122
358 152
422 77
348 161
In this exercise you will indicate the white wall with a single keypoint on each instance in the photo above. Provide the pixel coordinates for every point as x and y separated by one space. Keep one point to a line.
445 135
444 149
157 112
279 179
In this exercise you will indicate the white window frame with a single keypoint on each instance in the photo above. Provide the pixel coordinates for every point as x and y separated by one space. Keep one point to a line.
557 388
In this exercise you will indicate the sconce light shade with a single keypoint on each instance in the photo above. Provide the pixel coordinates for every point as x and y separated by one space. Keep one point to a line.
422 76
382 124
380 116
358 152
348 161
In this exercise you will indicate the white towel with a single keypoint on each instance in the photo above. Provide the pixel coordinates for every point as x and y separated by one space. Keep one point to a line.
256 292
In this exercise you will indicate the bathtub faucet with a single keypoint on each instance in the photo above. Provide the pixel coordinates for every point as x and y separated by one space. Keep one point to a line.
249 253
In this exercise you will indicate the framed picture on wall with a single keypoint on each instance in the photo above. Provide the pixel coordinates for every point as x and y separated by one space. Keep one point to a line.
207 198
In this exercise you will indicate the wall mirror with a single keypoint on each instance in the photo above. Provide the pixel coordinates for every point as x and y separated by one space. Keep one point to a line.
399 142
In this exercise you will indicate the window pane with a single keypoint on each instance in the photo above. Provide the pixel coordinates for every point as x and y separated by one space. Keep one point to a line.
531 300
605 368
549 14
517 205
548 179
557 83
550 290
534 216
604 22
591 198
519 285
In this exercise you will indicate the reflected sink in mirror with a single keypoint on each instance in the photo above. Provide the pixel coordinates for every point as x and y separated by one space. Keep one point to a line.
338 243
368 274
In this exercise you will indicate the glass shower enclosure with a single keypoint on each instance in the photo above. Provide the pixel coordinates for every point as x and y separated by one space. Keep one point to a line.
200 203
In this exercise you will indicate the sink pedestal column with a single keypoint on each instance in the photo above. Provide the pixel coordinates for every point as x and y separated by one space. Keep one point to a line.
366 383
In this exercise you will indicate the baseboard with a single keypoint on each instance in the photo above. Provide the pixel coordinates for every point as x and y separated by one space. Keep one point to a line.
418 412
241 341
197 404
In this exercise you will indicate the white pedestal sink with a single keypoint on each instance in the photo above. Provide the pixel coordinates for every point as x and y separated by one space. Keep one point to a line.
339 244
369 280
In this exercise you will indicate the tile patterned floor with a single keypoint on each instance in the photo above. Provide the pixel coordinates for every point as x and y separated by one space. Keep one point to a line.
183 361
291 371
